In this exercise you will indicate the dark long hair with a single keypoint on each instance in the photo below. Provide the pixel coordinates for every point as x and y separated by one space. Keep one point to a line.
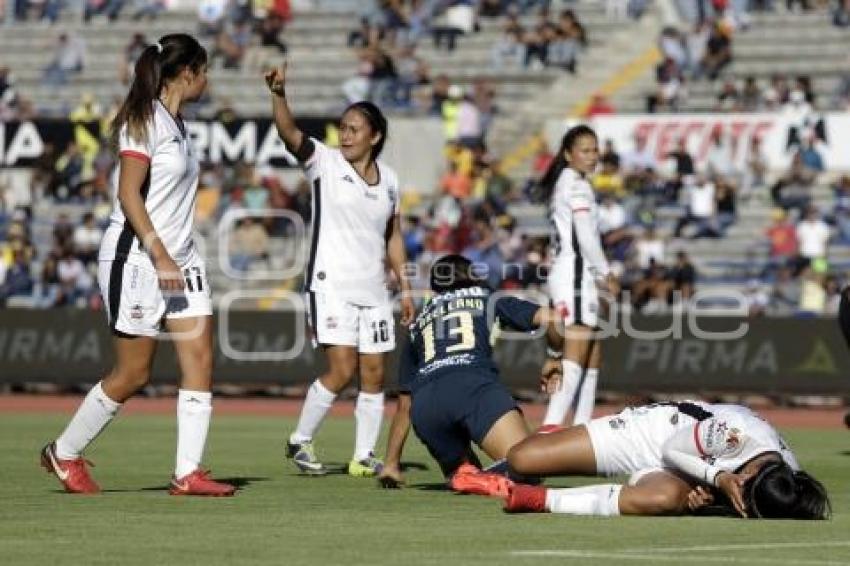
779 492
159 63
377 122
559 162
452 272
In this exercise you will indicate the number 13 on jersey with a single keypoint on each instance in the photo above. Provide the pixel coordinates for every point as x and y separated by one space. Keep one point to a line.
462 334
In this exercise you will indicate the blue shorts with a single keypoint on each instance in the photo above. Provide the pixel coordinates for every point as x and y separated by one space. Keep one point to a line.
455 409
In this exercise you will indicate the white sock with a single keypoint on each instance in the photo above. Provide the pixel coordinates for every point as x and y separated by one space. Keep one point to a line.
368 413
586 397
94 413
560 400
194 409
316 405
601 500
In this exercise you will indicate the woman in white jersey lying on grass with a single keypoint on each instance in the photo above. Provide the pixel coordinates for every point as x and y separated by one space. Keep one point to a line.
681 457
355 230
579 272
150 273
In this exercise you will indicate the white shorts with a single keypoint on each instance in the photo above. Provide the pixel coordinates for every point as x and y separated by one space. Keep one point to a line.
576 298
336 322
631 440
136 306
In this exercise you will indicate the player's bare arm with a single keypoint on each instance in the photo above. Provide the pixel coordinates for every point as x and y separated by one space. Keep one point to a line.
133 173
283 119
397 259
391 476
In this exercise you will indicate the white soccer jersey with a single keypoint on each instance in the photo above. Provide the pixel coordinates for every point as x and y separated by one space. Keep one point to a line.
696 438
575 250
350 222
169 190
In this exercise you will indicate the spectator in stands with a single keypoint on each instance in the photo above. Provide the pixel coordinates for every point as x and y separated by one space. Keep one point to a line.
456 20
269 31
49 288
718 52
755 169
756 299
719 159
599 106
785 295
638 165
364 35
651 290
412 72
112 9
841 98
455 183
249 244
649 247
841 216
833 295
726 204
509 49
683 276
485 250
813 235
793 190
68 59
613 228
18 280
484 99
782 241
729 99
841 14
810 156
751 95
672 46
608 181
73 277
87 238
232 43
211 17
812 292
132 52
469 128
670 82
569 39
701 208
69 171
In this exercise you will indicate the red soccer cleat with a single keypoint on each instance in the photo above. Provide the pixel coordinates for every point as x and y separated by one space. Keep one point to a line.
469 479
199 483
549 429
524 498
73 474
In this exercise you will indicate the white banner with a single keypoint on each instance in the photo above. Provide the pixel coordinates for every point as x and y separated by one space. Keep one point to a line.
779 133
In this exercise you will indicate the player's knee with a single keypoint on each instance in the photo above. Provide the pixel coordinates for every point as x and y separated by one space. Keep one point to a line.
664 502
520 460
133 377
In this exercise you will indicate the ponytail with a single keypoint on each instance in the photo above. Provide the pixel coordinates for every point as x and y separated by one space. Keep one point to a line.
159 63
546 185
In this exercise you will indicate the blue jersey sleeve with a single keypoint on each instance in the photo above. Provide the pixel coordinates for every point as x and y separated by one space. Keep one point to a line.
407 365
515 313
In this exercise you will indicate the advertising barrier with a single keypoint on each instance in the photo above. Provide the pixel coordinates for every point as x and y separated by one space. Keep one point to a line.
664 354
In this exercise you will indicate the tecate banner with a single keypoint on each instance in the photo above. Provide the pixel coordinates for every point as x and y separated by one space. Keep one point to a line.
780 133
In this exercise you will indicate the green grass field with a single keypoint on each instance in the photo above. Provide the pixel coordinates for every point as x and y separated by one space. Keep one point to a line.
281 518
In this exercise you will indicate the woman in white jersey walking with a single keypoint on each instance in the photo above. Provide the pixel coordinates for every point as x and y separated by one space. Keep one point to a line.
579 272
356 229
150 273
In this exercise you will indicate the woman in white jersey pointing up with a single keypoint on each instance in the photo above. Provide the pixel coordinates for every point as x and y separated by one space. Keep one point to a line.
149 270
356 228
579 272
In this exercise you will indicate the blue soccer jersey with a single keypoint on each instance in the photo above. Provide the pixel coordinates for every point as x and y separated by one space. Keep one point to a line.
452 334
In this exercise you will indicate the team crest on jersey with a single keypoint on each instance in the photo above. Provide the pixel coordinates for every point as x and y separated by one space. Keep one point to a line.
733 439
331 322
617 423
370 195
348 178
137 312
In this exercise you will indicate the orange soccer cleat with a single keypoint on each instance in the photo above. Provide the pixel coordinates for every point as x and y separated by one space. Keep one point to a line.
469 479
524 498
73 474
199 483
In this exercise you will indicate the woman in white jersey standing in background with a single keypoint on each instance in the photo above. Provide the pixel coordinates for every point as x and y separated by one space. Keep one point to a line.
356 229
150 273
579 271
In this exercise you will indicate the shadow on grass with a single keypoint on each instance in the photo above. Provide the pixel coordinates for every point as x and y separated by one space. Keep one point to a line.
239 482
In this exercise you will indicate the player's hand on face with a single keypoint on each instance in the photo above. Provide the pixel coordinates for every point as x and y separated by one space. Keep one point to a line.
550 376
391 478
276 79
170 277
408 310
731 485
699 497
